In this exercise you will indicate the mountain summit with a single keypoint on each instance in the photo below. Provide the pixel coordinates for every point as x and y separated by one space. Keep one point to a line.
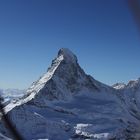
66 103
67 55
63 79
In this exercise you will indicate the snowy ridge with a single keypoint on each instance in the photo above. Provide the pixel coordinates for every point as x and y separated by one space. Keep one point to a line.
133 83
119 85
129 85
37 86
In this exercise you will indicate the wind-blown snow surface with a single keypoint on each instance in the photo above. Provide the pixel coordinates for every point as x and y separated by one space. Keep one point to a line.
65 103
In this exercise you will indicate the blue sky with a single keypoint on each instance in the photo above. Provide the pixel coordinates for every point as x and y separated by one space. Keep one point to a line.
102 34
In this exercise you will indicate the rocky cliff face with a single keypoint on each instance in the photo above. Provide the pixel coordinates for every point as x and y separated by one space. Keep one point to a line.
65 103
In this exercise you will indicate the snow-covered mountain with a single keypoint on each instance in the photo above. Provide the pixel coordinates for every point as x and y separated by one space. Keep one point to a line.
10 95
66 103
119 85
130 93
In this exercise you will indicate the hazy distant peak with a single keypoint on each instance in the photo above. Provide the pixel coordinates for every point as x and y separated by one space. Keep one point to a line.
133 83
119 85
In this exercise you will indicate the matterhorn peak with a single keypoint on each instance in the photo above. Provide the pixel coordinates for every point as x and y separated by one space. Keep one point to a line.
63 79
67 55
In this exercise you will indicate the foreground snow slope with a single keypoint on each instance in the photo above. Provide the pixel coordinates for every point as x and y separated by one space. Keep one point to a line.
65 103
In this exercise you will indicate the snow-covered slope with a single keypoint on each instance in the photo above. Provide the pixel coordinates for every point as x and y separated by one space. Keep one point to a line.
65 103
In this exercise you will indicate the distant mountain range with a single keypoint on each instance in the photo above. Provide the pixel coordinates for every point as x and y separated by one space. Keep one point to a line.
67 104
11 94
